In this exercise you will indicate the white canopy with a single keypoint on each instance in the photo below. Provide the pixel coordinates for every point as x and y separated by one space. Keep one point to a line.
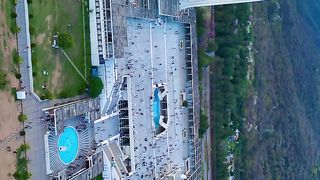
21 95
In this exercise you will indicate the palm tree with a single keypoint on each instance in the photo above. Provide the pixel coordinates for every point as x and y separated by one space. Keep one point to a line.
26 175
24 147
22 164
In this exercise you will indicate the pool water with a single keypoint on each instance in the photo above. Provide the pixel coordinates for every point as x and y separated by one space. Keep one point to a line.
68 144
156 108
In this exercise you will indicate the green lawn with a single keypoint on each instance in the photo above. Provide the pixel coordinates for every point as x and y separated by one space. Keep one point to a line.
47 18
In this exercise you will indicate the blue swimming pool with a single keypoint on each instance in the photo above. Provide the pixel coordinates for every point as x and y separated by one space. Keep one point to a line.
156 108
68 144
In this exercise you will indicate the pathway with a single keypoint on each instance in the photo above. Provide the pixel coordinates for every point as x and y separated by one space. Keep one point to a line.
73 65
206 141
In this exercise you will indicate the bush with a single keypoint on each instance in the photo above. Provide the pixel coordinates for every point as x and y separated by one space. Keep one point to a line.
30 16
16 58
15 28
33 45
14 2
14 15
29 1
65 40
185 103
31 30
22 117
95 86
22 133
18 75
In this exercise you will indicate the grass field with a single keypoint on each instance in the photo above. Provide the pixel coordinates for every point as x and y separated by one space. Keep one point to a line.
46 19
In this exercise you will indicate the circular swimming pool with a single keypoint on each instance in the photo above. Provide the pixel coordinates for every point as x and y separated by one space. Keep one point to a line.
68 144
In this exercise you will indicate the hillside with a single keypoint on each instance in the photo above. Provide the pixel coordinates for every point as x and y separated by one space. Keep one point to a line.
284 104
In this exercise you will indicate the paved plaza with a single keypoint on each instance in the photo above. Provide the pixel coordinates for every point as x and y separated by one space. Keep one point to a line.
159 59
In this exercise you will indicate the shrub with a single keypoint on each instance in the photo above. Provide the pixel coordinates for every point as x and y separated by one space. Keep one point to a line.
22 133
13 14
30 16
14 2
16 58
31 29
18 75
33 45
15 28
22 117
95 86
29 1
185 103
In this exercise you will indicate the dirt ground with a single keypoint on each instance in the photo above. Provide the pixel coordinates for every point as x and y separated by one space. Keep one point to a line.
9 109
56 76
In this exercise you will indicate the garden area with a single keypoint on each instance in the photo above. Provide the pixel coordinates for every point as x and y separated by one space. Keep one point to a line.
60 47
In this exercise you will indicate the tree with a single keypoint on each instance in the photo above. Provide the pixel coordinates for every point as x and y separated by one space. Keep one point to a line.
65 40
95 86
22 117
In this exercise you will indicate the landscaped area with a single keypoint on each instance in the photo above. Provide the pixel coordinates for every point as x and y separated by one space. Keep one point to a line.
54 76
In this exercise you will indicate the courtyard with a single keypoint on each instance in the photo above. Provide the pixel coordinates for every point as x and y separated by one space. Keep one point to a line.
57 72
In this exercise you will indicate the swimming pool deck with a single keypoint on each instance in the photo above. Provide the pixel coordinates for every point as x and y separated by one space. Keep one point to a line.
158 59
